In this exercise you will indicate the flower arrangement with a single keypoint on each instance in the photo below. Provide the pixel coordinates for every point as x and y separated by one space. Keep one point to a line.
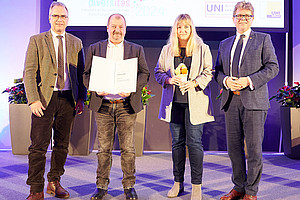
288 96
146 95
220 94
16 93
88 99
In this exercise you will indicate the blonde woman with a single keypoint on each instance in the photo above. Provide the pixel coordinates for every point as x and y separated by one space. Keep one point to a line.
184 70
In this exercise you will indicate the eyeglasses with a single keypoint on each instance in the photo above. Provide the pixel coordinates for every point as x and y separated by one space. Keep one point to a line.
56 17
239 17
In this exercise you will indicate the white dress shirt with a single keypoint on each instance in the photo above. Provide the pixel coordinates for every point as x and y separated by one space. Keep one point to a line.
66 76
114 52
245 40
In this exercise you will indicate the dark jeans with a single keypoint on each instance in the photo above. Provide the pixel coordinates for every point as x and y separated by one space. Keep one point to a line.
249 124
184 133
112 117
59 115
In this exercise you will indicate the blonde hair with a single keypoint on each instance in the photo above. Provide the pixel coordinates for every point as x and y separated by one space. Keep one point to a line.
193 42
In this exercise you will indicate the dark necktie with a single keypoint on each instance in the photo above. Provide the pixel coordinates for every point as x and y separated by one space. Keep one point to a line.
236 57
60 84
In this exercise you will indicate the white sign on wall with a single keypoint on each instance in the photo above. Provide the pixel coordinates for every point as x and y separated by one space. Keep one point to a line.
162 13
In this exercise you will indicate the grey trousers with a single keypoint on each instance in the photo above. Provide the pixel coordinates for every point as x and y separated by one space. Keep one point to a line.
112 117
249 124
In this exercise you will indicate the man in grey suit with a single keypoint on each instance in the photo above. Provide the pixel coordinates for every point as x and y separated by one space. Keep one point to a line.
245 64
54 87
116 111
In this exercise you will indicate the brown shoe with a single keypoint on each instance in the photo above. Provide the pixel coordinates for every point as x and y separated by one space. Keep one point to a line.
233 194
57 190
130 194
249 197
36 196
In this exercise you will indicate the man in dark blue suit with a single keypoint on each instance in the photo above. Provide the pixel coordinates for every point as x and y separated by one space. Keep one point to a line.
245 64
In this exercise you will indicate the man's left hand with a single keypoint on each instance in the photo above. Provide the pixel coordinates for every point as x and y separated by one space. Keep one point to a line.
79 106
123 94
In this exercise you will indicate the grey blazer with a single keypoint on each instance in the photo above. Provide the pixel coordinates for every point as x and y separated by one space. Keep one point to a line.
131 50
40 70
259 62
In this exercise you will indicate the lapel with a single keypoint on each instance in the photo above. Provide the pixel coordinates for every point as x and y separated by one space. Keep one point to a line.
103 48
127 51
68 48
227 55
168 60
49 42
248 45
195 62
172 64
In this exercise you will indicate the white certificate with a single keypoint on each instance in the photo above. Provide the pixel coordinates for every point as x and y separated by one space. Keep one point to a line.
113 76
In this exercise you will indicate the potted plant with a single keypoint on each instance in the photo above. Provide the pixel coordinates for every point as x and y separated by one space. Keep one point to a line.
289 98
19 117
83 132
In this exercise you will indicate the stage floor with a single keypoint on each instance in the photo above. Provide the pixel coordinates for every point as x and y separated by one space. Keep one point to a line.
280 178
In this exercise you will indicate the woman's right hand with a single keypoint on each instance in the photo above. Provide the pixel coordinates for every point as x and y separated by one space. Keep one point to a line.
175 80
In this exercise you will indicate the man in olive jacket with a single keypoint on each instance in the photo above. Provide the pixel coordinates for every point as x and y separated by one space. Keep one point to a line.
52 100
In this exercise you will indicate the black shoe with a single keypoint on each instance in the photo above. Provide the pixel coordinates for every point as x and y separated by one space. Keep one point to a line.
130 193
99 194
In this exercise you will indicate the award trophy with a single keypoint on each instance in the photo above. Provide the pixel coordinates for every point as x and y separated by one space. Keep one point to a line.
182 72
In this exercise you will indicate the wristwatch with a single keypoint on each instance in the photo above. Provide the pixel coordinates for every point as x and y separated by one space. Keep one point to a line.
195 83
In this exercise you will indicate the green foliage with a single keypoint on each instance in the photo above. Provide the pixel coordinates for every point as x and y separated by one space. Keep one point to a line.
146 95
87 101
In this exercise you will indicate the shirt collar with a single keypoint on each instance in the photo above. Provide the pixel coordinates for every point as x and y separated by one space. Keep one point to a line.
55 34
247 33
110 44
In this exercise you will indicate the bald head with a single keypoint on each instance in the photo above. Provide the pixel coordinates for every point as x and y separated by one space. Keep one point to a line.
117 16
116 28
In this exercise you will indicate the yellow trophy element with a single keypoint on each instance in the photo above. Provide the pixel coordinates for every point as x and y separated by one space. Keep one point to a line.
182 72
